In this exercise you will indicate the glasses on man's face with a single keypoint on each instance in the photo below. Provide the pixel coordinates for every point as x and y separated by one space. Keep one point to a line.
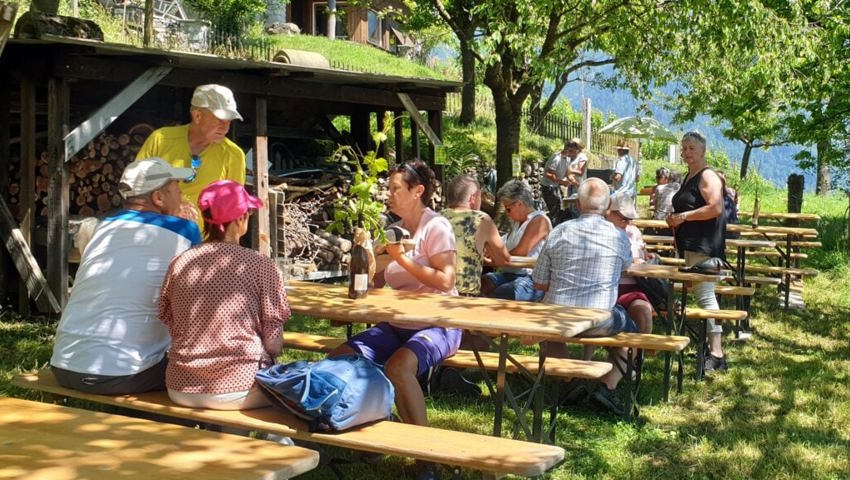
196 164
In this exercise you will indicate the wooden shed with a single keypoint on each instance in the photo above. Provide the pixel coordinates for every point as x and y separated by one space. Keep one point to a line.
57 94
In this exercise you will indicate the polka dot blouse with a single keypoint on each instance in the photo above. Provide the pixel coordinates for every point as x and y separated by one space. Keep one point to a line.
224 306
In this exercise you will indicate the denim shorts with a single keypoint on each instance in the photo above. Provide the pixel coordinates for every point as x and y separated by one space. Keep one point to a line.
619 321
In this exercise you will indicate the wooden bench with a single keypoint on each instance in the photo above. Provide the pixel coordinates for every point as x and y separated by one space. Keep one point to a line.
555 367
796 272
492 455
564 368
728 290
771 254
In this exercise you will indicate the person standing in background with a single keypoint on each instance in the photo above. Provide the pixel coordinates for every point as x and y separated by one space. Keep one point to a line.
625 172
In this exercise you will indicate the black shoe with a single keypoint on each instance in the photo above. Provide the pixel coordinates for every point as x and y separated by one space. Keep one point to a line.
713 363
573 392
451 381
608 399
426 471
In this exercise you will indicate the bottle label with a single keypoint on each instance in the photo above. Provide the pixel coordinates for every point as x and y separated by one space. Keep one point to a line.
361 281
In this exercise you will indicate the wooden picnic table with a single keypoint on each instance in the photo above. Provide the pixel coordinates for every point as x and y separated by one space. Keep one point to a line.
50 442
673 274
803 217
494 317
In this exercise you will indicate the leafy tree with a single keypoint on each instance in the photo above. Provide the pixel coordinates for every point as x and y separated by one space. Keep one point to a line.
229 17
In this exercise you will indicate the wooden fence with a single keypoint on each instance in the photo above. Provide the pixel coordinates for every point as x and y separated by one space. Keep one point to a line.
555 126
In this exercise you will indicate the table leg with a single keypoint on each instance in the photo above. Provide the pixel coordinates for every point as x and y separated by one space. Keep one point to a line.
787 265
500 385
538 392
671 307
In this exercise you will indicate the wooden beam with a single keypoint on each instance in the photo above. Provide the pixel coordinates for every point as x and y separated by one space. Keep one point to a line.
398 126
29 163
25 263
417 117
435 121
7 275
105 115
86 68
7 17
58 189
261 174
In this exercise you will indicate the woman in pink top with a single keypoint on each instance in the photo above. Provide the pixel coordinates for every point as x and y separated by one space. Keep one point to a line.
429 268
224 306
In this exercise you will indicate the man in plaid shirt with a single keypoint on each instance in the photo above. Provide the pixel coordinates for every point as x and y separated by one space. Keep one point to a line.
580 266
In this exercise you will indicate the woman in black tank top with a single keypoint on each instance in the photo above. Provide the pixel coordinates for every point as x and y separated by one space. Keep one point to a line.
699 223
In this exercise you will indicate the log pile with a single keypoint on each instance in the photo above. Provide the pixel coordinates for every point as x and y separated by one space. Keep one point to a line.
93 176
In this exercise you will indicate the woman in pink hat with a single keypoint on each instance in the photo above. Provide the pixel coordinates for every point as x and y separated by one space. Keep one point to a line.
224 306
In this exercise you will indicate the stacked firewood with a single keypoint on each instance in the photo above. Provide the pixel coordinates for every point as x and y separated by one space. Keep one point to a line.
96 170
303 209
93 177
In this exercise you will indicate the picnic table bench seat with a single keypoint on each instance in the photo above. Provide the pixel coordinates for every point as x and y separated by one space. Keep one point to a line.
555 367
491 455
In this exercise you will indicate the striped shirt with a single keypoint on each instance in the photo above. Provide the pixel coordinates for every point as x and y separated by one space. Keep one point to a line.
582 262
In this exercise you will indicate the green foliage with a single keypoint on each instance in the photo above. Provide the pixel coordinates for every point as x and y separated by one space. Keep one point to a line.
229 18
359 206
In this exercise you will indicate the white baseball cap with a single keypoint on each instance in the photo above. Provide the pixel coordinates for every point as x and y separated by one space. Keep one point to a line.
149 174
624 204
217 99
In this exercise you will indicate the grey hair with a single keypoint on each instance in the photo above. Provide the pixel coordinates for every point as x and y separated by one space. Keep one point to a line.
696 136
516 191
594 196
460 189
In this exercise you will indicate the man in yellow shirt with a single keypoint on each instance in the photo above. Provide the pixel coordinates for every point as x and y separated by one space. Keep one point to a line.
202 144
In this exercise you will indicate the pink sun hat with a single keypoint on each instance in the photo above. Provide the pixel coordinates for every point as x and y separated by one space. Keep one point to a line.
225 201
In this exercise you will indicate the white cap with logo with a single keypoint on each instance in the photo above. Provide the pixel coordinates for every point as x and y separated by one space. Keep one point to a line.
149 174
217 99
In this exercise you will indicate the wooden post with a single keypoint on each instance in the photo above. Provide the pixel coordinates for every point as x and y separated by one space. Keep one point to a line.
398 126
360 130
58 190
261 174
381 124
796 184
26 205
147 32
435 121
414 140
7 275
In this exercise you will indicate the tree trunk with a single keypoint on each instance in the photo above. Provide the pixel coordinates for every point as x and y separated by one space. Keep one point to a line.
745 159
508 124
822 183
467 94
148 29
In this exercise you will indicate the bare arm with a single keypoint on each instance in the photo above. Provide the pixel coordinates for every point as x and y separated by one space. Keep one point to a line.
440 274
490 245
711 190
537 230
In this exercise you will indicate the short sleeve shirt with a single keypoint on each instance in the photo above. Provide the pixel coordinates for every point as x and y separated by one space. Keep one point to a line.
434 236
627 168
559 164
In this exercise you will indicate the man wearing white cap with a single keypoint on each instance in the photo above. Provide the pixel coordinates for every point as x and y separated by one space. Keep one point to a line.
202 144
109 340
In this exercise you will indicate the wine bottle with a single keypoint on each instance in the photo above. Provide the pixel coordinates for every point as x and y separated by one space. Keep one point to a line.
755 217
358 268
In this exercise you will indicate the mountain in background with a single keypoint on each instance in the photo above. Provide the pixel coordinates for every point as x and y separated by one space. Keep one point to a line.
774 164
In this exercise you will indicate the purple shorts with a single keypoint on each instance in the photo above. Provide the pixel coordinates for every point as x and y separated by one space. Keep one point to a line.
430 345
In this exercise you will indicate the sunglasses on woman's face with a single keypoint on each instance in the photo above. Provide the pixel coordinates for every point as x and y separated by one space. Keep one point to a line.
510 206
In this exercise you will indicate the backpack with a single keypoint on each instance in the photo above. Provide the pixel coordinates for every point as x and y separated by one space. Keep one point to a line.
332 394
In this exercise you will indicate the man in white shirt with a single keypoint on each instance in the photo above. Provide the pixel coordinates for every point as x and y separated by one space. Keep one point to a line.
625 172
109 339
